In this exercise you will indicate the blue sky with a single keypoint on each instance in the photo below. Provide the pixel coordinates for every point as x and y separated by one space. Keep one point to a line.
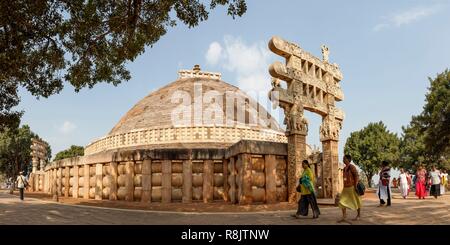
385 49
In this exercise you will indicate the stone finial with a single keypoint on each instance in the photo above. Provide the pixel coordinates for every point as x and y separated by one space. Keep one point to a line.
196 68
325 52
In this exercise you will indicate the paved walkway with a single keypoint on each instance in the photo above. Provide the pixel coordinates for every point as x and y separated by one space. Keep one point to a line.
36 211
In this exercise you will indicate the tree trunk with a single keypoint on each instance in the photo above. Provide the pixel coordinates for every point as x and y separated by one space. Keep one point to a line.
369 179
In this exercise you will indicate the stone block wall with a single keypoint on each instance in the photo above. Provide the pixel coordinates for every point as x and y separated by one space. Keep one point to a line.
251 172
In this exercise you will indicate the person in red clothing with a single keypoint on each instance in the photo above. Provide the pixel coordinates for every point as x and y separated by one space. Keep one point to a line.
394 183
421 183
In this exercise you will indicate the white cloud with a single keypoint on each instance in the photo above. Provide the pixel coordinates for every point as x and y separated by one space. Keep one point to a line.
214 53
408 16
248 61
67 127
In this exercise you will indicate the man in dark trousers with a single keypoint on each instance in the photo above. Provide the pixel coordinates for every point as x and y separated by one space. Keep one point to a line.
21 184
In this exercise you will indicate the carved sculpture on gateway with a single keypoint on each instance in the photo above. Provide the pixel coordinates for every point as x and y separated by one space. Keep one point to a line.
313 85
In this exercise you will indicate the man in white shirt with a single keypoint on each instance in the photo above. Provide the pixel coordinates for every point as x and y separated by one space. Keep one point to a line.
21 184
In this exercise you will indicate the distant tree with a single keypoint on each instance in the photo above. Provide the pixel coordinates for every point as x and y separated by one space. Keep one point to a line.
73 151
435 118
412 146
426 139
370 146
363 178
46 42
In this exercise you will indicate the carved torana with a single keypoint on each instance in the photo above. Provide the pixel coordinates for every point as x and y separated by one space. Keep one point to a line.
314 85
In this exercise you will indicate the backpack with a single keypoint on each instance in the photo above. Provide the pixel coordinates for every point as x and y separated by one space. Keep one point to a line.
360 188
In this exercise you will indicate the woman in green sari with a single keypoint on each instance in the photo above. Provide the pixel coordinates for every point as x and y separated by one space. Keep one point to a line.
308 197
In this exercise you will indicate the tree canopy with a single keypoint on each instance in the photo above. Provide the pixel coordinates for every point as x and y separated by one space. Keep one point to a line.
426 140
435 117
15 149
46 42
372 145
73 151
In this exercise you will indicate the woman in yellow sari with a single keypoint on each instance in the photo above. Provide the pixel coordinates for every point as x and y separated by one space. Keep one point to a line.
308 197
349 197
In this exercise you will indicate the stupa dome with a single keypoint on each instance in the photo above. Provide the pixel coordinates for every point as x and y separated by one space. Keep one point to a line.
198 110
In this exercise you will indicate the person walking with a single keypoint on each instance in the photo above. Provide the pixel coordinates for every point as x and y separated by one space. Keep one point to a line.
435 177
349 198
21 184
404 185
384 190
420 182
410 182
444 181
308 197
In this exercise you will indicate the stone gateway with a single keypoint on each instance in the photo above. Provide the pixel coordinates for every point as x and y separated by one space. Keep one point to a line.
313 85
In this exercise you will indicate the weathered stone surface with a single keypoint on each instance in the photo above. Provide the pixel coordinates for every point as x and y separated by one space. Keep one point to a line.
296 154
197 180
208 178
226 186
156 193
232 180
129 181
114 175
177 180
157 179
313 85
258 179
219 193
256 147
258 194
177 167
137 180
218 180
218 167
146 180
98 181
197 193
75 184
138 167
66 181
245 187
177 194
166 195
270 175
187 181
137 194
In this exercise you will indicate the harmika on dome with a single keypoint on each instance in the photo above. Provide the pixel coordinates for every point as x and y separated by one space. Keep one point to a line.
196 139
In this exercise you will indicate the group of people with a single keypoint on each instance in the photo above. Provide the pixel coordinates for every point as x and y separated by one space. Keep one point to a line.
348 199
433 182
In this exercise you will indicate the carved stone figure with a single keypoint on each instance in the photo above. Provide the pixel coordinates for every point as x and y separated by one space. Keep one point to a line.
275 83
325 53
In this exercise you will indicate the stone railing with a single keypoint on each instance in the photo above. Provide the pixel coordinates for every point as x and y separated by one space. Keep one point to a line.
247 172
202 134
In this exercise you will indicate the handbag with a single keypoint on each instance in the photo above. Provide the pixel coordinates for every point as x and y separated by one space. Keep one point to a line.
360 188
